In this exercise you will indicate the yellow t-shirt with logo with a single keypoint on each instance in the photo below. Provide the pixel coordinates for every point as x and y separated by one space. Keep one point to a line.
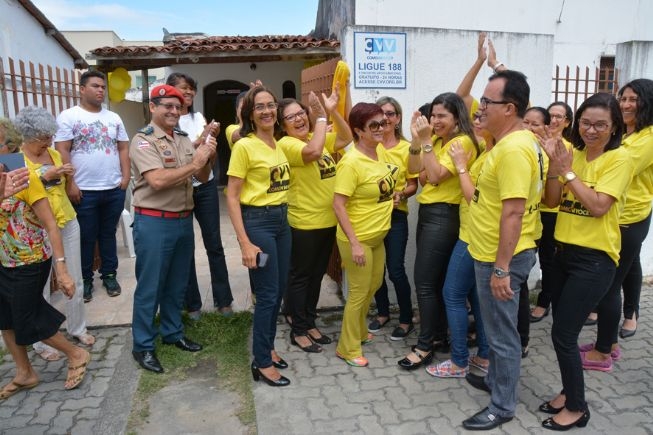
474 170
370 185
513 169
266 172
543 207
310 197
638 200
62 209
610 173
398 157
449 190
228 132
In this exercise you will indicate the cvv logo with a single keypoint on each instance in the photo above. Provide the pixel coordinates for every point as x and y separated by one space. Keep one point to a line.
380 45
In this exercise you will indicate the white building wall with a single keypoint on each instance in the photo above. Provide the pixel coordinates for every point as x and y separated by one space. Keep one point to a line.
22 37
438 59
583 29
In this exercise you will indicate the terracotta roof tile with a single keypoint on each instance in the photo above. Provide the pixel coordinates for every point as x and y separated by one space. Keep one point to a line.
222 44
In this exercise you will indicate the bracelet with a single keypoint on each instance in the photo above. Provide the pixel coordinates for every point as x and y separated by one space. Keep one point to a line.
497 65
321 120
551 177
60 260
414 151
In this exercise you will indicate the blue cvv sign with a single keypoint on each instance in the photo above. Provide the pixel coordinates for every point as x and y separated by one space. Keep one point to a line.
380 45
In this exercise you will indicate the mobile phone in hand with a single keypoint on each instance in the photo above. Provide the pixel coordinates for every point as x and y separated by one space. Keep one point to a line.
261 259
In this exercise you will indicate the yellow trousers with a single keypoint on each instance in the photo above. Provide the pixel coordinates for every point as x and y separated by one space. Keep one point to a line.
363 282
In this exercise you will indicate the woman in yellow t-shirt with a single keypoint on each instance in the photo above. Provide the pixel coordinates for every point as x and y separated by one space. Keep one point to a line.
310 208
596 175
363 205
561 116
438 221
37 126
257 202
396 147
636 103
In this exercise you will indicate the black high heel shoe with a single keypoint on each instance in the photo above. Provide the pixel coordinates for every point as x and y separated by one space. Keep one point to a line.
281 364
312 348
257 374
322 339
551 424
546 407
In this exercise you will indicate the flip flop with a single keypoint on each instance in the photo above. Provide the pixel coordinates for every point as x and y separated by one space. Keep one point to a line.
13 387
76 374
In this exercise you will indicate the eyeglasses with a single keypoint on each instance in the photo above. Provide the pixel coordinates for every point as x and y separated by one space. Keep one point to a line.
376 125
557 116
390 114
485 101
293 116
170 106
600 126
624 100
477 116
44 140
264 107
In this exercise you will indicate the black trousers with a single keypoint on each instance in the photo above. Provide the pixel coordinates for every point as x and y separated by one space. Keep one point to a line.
309 259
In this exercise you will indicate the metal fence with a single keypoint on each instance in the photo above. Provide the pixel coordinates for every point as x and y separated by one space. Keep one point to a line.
23 84
573 85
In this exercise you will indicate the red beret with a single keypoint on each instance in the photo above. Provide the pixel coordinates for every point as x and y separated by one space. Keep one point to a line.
164 91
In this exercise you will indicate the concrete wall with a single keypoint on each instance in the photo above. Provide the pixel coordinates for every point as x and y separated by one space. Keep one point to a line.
437 60
634 60
22 37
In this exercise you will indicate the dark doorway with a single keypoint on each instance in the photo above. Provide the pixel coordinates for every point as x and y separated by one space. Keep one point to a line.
220 105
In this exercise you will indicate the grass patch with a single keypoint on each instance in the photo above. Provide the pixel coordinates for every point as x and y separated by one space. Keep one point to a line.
225 348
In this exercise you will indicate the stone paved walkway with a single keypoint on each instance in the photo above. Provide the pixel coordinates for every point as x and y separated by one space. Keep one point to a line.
326 395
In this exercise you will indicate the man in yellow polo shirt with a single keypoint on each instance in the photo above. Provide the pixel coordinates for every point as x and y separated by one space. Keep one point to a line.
502 232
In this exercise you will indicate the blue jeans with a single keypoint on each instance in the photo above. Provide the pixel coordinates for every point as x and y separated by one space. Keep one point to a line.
582 277
98 214
500 321
437 233
207 213
459 286
395 254
164 248
267 228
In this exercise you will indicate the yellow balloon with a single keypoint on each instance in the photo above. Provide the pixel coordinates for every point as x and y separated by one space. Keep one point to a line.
115 95
116 82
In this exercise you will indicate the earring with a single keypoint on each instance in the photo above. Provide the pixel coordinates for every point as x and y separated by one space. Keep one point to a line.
397 127
456 130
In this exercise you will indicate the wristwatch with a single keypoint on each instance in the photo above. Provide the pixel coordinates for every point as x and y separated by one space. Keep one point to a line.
500 273
427 147
462 171
570 176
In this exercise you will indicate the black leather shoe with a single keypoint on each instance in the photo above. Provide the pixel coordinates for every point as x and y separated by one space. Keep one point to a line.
313 347
185 343
484 420
626 333
281 364
257 375
535 319
546 407
551 424
148 360
424 358
322 339
477 382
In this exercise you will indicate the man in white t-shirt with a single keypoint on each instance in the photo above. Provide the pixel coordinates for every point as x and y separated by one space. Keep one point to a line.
95 141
